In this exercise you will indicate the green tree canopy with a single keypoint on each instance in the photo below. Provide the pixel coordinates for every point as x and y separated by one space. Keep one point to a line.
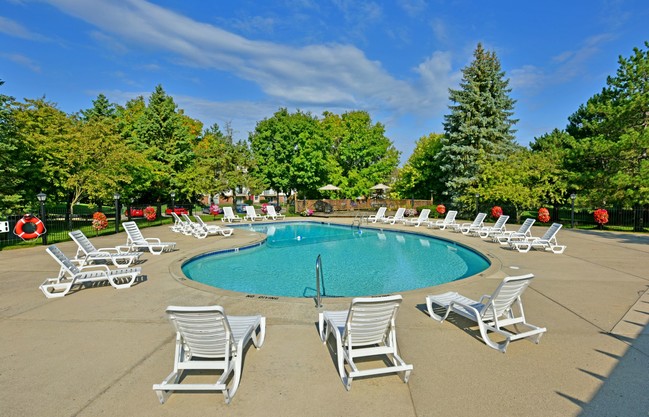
420 176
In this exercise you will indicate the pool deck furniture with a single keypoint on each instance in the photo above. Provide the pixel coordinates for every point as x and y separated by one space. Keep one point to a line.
547 242
366 330
87 253
498 227
271 213
71 275
423 218
447 221
523 232
399 216
210 229
252 215
380 214
229 216
209 340
136 241
469 228
493 313
111 346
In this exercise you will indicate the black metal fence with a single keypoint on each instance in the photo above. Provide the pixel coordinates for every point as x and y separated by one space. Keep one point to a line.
59 221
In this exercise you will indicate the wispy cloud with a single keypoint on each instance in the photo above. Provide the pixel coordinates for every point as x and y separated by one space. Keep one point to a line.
12 28
23 61
320 74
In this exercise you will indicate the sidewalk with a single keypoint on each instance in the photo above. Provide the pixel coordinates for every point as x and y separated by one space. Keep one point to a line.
98 351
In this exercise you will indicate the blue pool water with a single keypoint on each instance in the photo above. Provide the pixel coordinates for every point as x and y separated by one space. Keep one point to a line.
355 262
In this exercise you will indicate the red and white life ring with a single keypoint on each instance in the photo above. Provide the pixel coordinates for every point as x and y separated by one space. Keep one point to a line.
28 218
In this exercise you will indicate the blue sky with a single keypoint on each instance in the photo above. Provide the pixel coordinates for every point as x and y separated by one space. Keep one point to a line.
239 61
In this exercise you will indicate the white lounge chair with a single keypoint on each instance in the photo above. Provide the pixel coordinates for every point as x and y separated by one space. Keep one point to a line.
179 226
467 228
252 215
209 340
87 252
546 242
399 216
135 240
492 313
380 214
210 229
423 218
271 213
448 221
367 329
498 227
71 275
229 216
522 233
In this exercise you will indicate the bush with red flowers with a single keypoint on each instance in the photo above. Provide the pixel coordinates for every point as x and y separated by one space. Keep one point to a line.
214 209
99 221
496 212
601 216
149 213
441 209
544 215
264 209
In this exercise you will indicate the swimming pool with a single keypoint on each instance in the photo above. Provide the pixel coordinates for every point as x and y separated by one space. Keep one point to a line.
355 261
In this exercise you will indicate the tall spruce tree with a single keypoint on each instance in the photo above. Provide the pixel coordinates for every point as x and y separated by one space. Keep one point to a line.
479 128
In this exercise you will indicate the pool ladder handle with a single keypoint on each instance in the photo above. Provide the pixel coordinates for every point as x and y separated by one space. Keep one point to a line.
318 278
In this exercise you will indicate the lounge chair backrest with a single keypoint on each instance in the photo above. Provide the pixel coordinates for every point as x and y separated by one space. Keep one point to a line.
424 214
479 219
227 212
506 294
381 212
199 220
552 231
133 232
187 219
270 210
82 241
175 216
526 226
450 216
64 261
500 222
400 212
250 210
205 330
370 320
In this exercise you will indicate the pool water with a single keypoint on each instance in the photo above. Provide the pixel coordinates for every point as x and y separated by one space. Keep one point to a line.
355 262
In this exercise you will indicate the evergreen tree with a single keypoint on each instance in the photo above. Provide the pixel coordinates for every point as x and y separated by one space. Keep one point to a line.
101 108
479 128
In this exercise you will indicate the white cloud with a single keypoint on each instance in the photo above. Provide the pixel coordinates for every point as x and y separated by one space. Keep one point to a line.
23 61
12 28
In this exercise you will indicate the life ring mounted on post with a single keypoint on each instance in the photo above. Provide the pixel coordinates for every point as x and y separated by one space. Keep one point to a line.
39 227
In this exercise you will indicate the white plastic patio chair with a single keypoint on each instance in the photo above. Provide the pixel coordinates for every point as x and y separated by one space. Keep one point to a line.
209 340
523 232
498 227
380 214
399 216
448 221
135 240
547 242
492 313
229 216
87 252
423 218
252 215
467 228
271 213
366 330
204 229
71 275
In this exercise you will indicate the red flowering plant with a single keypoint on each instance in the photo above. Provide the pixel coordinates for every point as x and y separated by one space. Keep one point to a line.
544 215
214 209
601 217
496 212
263 208
99 221
441 209
149 213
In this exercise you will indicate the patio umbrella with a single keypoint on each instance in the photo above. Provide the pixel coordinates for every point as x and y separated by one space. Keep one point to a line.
329 187
381 187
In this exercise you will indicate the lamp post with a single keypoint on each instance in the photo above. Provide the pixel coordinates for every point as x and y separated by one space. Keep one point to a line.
477 203
118 215
573 196
173 201
41 198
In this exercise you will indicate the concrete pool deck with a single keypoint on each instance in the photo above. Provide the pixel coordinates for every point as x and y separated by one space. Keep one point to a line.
98 350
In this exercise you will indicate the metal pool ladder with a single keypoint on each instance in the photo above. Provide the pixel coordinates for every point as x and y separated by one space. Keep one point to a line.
318 279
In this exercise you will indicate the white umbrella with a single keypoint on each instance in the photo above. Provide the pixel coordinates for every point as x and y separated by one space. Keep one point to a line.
381 187
329 187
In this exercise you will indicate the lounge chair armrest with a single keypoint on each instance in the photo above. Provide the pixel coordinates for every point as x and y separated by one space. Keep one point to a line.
102 267
109 250
484 298
123 249
153 239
